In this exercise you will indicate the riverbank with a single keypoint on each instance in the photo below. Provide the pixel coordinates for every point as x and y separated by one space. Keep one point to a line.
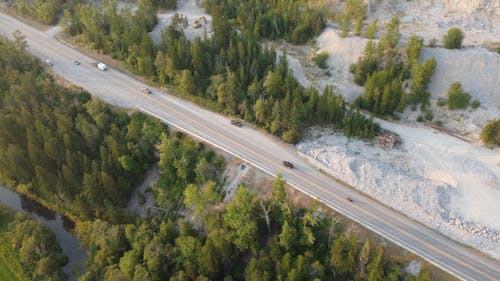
54 221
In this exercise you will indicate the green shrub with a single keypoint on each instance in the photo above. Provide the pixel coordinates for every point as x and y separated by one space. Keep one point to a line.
441 102
453 38
320 60
491 133
420 118
457 98
290 136
428 115
432 43
475 104
358 26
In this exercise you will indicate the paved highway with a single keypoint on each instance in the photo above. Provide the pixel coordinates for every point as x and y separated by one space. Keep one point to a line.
259 149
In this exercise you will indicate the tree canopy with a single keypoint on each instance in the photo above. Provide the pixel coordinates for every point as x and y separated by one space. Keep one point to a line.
32 245
72 150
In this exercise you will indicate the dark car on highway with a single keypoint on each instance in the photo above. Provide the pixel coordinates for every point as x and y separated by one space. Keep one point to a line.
236 123
288 164
146 90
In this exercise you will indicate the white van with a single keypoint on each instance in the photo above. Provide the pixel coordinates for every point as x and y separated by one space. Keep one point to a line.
102 66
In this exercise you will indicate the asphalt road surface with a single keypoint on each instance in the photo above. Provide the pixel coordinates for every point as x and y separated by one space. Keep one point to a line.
259 149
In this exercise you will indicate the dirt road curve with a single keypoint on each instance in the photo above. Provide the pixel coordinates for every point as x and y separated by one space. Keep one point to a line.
258 149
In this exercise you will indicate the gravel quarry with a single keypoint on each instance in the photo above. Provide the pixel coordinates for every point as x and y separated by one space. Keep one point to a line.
446 180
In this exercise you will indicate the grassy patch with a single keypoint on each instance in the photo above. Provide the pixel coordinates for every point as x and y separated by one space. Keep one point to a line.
5 273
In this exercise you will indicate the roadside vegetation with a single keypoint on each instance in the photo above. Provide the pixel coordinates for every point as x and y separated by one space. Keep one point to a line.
230 71
247 238
320 60
28 250
44 11
65 148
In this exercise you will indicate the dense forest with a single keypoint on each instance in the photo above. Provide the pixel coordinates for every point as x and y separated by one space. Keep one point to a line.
64 147
86 157
28 250
292 20
228 71
44 11
249 238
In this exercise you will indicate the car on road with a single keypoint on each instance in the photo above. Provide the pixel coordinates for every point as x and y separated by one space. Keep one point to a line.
288 164
102 66
236 123
75 62
146 90
349 199
49 62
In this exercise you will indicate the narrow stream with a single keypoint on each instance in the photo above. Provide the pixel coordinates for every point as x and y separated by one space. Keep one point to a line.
57 223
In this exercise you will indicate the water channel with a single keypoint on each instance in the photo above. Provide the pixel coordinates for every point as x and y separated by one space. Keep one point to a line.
57 223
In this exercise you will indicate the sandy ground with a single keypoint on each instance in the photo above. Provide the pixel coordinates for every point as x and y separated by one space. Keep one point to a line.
478 71
192 12
342 52
150 179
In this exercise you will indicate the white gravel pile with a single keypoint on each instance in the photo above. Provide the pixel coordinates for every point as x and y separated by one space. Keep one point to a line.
342 52
436 179
448 184
298 71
